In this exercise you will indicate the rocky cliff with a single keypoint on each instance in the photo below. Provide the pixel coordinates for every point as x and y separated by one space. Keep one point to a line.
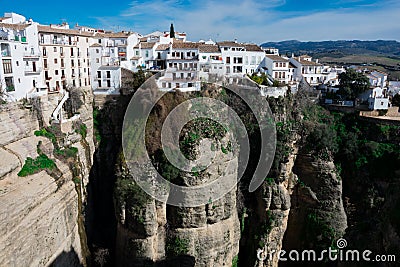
41 213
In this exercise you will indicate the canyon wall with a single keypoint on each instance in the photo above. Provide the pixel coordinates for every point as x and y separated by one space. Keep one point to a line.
41 214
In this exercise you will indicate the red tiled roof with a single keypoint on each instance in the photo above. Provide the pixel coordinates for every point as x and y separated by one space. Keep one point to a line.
162 47
185 45
208 48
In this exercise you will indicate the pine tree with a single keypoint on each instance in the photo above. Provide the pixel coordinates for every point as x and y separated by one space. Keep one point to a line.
172 31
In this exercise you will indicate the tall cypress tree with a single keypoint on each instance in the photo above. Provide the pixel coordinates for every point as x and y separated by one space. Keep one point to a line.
172 31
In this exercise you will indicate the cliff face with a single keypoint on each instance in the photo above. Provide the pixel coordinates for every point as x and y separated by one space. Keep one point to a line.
41 219
152 233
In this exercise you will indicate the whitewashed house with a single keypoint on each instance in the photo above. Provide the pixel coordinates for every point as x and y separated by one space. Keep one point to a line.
109 54
378 99
210 59
65 56
21 70
241 59
377 78
278 68
182 68
309 70
330 75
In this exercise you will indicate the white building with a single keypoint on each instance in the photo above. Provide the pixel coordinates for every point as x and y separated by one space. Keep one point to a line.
20 66
182 70
309 70
109 54
330 75
210 59
278 68
378 99
271 51
241 59
377 78
65 54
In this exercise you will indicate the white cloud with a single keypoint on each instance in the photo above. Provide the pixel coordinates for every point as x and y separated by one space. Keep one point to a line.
258 21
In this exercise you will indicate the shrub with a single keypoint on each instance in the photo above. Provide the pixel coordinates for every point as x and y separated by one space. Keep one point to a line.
32 166
177 246
48 134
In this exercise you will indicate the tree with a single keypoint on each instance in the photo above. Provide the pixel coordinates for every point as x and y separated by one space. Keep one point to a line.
396 100
172 31
352 84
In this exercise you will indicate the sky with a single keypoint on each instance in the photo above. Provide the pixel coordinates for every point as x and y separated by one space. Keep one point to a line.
255 21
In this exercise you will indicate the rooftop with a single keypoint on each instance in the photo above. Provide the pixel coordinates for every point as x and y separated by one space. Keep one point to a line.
208 48
230 44
18 27
276 58
162 47
185 45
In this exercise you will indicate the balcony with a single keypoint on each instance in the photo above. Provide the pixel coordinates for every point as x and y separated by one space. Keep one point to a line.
31 55
32 71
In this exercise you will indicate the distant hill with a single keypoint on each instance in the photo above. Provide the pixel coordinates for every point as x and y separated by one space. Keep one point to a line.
338 48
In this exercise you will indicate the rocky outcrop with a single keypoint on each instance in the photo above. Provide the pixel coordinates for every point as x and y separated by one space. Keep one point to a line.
41 222
151 233
317 217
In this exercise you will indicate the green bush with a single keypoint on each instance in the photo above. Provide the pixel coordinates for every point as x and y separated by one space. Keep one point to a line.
82 130
69 152
235 261
177 246
48 134
32 166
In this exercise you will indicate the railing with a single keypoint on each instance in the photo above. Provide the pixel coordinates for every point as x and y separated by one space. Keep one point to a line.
35 55
32 71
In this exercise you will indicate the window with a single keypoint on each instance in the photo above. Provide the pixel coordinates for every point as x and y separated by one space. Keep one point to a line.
44 52
97 51
237 60
17 63
55 61
61 51
147 53
228 60
188 54
41 38
56 72
62 63
72 63
9 84
72 52
7 67
55 49
97 60
45 63
108 74
193 54
62 73
108 83
190 84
